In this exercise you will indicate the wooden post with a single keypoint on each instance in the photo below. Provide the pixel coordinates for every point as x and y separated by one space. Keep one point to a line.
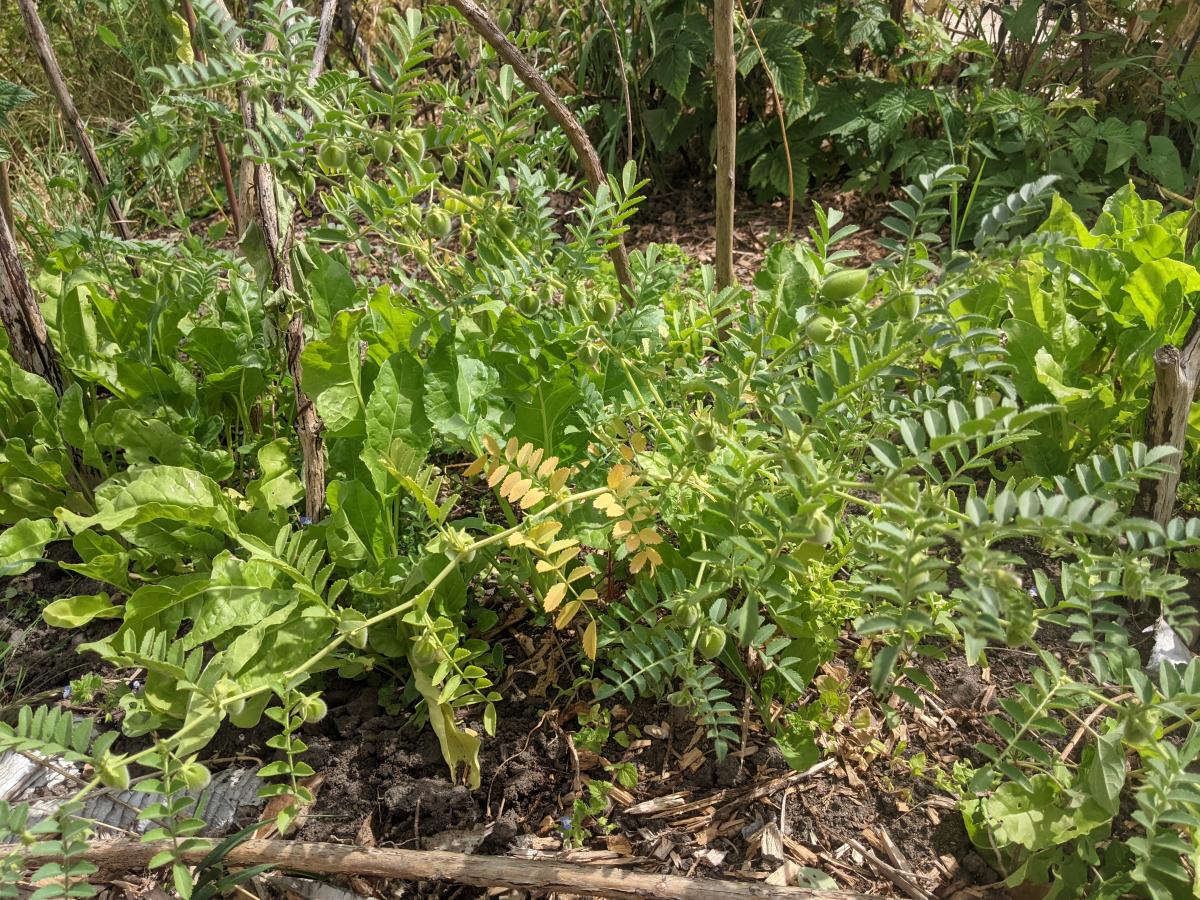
28 340
1176 377
589 160
6 207
277 240
538 876
726 78
45 52
324 30
235 207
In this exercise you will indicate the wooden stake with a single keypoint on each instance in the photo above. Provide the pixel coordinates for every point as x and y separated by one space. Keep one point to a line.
277 240
589 160
481 871
1176 377
6 207
28 340
324 30
235 207
726 78
58 85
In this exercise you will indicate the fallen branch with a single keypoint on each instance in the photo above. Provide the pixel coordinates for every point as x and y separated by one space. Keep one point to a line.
479 871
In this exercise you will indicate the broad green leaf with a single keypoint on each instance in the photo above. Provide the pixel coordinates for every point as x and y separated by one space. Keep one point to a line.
333 376
72 612
1161 162
277 485
155 493
1106 773
1161 290
355 531
455 388
460 746
21 545
395 412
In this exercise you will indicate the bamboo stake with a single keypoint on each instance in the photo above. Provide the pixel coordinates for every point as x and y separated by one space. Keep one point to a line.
41 44
589 160
726 74
235 208
28 340
539 875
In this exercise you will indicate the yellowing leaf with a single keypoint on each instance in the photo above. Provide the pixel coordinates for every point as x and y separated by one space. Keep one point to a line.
590 637
547 467
519 489
509 482
649 536
490 444
497 475
632 543
544 565
542 531
523 454
558 479
578 572
510 449
615 511
626 452
604 501
475 468
588 594
654 557
532 497
622 528
616 475
639 442
636 564
554 597
562 544
567 613
566 556
625 485
534 459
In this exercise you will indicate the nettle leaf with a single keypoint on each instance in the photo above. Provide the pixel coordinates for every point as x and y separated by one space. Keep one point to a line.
780 42
11 96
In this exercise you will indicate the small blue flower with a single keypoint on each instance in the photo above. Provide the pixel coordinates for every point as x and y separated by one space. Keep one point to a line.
565 822
305 520
67 692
